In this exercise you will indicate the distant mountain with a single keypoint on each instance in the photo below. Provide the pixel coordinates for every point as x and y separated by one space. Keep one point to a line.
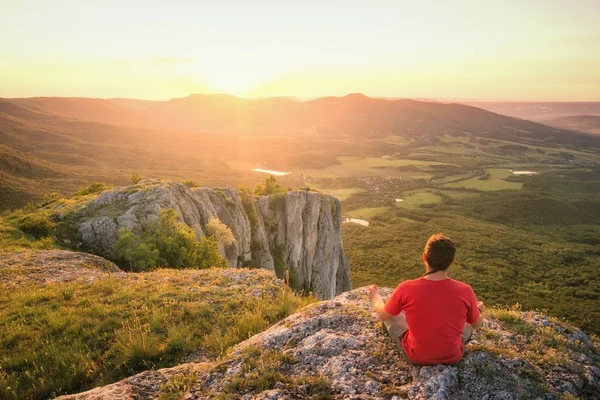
99 110
354 115
60 144
582 123
132 104
539 111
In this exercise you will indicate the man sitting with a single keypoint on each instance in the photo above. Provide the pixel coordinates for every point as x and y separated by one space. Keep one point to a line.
433 317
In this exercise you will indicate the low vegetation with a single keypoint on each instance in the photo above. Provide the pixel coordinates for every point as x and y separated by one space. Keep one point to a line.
262 369
537 246
90 334
167 242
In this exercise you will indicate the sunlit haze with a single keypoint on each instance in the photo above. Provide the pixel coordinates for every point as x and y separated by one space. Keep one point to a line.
543 50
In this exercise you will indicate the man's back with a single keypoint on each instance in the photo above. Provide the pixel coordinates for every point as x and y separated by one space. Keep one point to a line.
436 313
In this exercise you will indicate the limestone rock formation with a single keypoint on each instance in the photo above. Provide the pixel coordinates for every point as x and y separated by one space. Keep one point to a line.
337 350
299 231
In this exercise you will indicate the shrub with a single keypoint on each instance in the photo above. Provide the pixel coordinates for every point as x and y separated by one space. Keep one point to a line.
92 188
276 200
135 178
167 242
37 225
49 198
248 203
190 183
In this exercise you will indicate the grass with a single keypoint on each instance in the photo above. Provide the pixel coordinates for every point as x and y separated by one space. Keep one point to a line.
13 239
495 181
459 195
262 369
365 213
361 163
419 198
342 194
65 338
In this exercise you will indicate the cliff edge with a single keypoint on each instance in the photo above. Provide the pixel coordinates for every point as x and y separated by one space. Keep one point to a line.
298 231
336 349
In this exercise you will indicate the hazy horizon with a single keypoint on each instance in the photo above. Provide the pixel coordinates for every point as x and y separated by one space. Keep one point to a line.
538 51
309 98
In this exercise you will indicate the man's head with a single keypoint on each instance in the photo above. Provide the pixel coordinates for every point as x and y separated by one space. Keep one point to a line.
439 252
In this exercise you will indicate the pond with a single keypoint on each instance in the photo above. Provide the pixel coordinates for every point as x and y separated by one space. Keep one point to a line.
271 172
524 172
355 221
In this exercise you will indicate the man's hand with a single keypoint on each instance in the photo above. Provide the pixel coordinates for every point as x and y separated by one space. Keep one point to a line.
378 303
373 290
480 306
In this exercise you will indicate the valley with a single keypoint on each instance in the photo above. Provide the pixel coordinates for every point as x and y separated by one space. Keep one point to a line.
520 199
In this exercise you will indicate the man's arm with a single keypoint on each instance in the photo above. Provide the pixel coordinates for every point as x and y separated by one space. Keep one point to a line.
479 321
378 304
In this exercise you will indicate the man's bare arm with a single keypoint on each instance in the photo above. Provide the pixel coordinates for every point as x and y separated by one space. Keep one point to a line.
479 321
378 304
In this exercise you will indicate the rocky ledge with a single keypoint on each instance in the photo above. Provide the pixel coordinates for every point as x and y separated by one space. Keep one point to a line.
45 266
336 349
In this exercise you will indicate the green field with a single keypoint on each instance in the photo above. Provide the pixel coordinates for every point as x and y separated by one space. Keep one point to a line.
496 181
416 198
341 194
365 213
459 195
361 163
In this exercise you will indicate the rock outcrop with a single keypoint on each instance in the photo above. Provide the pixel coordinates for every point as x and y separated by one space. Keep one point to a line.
337 350
299 231
50 266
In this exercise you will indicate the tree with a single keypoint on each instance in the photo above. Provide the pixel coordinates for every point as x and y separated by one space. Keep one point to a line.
220 232
173 239
271 187
140 255
168 242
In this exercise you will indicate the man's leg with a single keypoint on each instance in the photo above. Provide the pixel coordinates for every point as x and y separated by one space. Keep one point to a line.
467 333
396 327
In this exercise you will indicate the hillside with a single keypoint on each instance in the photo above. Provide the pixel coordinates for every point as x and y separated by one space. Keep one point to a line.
219 140
75 321
354 114
337 350
581 123
539 111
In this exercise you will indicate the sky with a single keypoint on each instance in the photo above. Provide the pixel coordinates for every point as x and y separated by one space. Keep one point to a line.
488 50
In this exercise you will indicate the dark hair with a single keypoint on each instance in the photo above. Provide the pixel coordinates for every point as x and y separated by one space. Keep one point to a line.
439 252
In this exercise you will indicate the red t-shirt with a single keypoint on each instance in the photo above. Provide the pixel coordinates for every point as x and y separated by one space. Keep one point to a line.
436 312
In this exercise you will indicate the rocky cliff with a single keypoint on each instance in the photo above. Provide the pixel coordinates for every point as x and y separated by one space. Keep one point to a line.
298 231
337 350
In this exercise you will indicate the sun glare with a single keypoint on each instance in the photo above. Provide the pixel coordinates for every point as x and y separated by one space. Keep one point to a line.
237 82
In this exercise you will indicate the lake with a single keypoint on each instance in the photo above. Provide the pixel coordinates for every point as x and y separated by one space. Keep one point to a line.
524 172
355 221
271 172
